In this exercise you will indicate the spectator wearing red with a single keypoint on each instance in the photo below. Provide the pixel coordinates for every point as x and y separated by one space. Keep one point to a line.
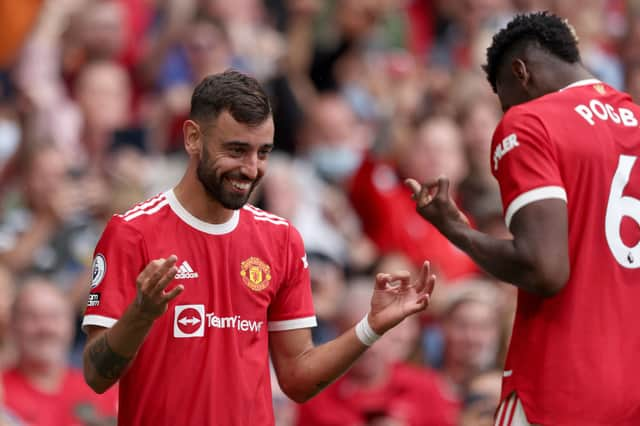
381 388
385 206
41 389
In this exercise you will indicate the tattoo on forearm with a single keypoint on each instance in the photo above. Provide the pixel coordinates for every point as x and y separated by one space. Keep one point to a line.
107 363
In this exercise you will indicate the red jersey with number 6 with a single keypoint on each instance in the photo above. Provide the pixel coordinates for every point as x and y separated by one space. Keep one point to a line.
205 361
574 359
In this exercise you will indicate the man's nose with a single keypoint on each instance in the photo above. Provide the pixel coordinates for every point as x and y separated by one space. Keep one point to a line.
250 166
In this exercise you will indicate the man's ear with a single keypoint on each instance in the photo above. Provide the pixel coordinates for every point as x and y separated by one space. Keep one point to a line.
192 137
521 72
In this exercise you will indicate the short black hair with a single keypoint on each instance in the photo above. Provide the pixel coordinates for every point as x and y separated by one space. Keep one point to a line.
232 91
546 30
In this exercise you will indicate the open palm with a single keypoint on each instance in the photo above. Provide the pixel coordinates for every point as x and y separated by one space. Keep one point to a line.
396 296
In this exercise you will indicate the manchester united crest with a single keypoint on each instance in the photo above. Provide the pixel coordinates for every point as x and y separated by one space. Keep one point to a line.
600 89
255 273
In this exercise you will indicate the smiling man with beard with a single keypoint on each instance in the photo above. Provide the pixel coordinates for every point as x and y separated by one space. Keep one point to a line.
193 289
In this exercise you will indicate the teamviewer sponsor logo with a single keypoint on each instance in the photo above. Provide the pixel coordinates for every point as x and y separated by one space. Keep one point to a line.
191 321
188 321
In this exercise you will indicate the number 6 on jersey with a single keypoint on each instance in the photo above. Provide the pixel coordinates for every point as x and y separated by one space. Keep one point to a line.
618 207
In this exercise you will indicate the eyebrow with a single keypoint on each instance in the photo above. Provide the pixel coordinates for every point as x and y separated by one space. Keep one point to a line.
269 145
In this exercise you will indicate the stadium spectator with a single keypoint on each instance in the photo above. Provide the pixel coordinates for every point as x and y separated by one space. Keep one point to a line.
334 140
564 156
43 229
242 289
381 387
41 389
383 204
103 93
471 334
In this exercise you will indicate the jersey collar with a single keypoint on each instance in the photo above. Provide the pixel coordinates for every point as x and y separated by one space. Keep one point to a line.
200 225
579 83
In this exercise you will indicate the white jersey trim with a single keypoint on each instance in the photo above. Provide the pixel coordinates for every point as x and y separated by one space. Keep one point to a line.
200 225
152 210
258 212
543 193
262 215
293 324
579 83
275 222
145 205
99 320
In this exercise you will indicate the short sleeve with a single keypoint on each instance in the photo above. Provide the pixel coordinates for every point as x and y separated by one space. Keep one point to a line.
292 307
524 161
119 257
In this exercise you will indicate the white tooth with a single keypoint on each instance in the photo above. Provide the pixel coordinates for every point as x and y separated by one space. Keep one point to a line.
241 185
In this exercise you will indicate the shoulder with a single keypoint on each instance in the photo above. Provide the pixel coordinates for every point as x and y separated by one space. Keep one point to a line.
263 218
138 221
271 226
145 212
527 120
528 112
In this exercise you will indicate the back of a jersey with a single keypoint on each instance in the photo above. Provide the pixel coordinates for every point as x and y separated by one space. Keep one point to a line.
574 358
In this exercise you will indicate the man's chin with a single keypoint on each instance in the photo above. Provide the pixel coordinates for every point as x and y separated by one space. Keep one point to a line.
233 203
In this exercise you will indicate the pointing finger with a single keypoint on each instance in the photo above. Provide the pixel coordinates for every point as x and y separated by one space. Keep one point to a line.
164 274
443 188
414 186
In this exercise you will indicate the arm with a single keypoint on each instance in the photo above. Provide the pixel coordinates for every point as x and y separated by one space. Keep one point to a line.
108 352
535 260
304 370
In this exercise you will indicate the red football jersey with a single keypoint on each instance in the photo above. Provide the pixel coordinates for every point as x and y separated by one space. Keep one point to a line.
72 404
410 395
205 361
573 358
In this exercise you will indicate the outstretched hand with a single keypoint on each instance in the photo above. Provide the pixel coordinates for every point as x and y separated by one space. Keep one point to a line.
396 296
435 205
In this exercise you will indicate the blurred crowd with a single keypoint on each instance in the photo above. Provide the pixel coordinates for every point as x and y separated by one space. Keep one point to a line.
365 93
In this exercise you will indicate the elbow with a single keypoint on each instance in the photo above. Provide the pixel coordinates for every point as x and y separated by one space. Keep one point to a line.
299 398
551 282
93 380
297 394
95 383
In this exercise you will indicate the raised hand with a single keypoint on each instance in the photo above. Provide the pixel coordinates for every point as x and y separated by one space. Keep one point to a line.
151 299
396 296
434 204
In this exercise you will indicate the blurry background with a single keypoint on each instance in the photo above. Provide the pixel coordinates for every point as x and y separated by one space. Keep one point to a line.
365 93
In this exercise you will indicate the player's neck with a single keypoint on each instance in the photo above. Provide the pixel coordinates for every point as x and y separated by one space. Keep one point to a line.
571 75
193 197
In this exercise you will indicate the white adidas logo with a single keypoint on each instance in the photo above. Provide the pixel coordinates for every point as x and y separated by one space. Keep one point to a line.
185 271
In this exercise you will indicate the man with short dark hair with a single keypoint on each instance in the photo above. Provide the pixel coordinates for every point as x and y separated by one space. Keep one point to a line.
565 156
197 353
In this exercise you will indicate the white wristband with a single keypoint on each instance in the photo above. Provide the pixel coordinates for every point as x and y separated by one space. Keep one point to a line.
365 333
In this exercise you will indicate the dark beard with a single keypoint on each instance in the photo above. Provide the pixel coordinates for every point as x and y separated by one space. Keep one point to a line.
214 186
